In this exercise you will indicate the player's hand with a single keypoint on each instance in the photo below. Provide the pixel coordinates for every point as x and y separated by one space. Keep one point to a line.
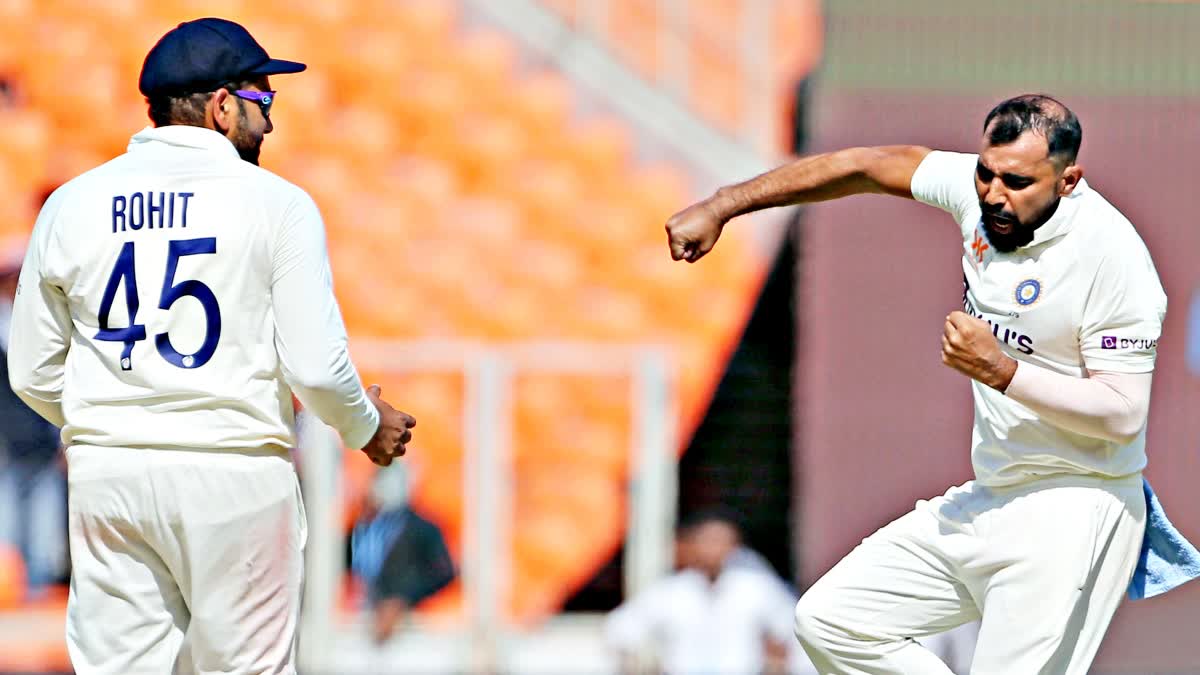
969 347
693 232
394 431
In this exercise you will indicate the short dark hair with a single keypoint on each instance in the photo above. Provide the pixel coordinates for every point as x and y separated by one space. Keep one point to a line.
711 514
185 107
1038 113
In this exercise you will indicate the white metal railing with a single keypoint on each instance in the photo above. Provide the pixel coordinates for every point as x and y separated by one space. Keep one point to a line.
487 477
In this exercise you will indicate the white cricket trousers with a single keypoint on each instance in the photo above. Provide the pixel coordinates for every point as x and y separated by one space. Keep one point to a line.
1045 563
168 544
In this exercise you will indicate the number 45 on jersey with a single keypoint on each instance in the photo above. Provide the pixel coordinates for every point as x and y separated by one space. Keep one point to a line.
124 271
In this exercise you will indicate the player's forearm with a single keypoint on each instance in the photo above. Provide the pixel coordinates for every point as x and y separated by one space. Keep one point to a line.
1110 406
880 170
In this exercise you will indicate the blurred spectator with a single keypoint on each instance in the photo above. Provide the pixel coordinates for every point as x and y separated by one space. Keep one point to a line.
400 557
723 612
33 501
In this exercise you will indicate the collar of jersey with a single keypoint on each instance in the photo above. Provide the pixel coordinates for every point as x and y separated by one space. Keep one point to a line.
184 136
1063 219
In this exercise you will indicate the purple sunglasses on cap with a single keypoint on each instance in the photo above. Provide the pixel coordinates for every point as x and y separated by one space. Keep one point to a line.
264 99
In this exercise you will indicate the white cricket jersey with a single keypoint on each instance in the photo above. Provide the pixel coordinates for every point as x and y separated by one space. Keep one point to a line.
176 297
1083 296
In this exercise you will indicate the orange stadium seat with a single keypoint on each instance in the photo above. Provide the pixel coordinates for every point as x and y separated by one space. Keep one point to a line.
540 102
426 107
365 133
634 26
427 25
105 17
17 213
25 139
659 191
176 11
15 13
485 222
598 148
543 263
485 148
547 192
487 59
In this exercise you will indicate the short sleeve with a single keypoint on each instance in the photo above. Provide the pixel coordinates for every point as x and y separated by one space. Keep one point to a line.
1124 313
947 180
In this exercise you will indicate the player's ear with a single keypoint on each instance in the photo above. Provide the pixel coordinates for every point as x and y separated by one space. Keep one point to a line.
222 110
1069 179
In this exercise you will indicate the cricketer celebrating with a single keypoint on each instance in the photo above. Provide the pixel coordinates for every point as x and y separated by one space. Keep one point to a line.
1062 310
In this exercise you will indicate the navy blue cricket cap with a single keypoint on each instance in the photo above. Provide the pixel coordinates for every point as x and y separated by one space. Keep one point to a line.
201 55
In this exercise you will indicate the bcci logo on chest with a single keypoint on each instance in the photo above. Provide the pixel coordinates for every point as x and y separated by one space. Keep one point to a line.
1028 292
1004 332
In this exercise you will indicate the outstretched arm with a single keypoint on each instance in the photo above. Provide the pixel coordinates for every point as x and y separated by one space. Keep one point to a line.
880 170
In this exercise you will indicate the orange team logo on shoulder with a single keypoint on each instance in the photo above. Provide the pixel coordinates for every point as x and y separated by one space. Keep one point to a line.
979 246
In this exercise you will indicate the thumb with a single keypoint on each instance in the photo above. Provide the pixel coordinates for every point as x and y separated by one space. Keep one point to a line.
374 390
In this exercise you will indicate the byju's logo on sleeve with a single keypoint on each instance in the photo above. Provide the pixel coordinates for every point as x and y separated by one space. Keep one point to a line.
1114 342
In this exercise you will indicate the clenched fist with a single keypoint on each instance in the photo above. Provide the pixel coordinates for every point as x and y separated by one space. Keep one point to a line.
969 347
393 433
693 232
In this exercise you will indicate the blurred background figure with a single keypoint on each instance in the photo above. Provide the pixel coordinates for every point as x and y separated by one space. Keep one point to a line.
399 556
33 502
723 612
